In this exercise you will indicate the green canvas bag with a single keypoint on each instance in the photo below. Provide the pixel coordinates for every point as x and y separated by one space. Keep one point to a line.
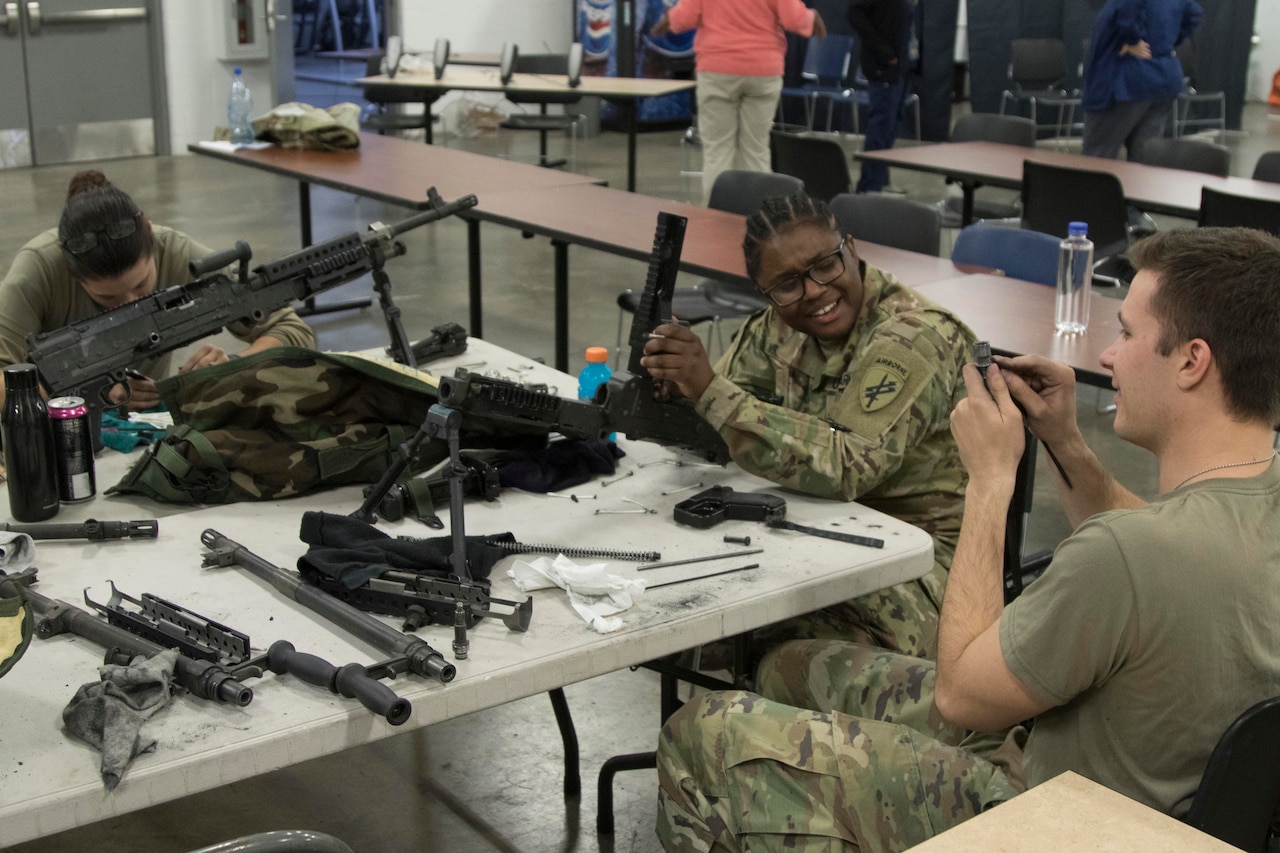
283 422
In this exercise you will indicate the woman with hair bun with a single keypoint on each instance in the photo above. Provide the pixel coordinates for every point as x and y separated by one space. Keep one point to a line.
106 253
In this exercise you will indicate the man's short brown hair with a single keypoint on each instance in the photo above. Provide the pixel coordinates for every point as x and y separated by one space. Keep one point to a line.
1222 285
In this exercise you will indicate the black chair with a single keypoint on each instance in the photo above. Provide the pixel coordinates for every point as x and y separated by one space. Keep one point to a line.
383 114
542 121
826 65
889 221
1268 167
1194 155
1037 68
1054 196
711 300
988 127
1240 789
1224 209
817 161
1017 252
1191 99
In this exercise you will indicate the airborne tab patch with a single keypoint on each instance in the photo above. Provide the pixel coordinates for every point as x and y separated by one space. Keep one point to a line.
883 383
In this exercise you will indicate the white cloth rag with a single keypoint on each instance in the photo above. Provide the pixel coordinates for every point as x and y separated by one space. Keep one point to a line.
594 593
17 551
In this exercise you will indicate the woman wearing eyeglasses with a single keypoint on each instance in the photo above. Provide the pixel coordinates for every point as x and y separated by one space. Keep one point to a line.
842 388
103 254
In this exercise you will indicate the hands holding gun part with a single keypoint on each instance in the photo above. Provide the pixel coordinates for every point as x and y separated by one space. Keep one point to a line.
1027 388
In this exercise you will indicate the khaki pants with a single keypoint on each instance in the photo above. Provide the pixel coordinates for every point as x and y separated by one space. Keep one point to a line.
735 114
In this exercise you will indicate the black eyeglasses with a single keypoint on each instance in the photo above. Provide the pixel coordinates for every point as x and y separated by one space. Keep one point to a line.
824 270
88 241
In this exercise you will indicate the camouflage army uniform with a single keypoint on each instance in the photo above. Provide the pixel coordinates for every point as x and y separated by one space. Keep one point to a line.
738 771
864 419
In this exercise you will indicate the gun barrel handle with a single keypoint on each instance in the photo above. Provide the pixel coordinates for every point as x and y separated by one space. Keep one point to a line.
282 657
352 680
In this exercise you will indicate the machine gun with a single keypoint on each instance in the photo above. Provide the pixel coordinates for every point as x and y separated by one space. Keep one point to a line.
627 403
89 357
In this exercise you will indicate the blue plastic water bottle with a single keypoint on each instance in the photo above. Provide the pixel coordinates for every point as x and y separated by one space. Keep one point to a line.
595 374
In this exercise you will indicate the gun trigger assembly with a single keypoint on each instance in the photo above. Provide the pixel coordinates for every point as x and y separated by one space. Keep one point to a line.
711 506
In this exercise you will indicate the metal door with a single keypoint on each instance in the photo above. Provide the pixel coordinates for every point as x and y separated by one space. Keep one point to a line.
89 77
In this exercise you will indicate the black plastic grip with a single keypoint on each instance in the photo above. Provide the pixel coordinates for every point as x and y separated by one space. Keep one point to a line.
351 680
223 258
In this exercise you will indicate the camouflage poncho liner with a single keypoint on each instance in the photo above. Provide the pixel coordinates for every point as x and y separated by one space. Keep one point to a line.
284 422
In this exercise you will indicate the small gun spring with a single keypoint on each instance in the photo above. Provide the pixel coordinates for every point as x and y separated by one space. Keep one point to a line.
579 553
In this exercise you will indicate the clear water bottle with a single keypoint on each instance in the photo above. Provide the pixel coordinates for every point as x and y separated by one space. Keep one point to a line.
1075 281
30 459
239 108
595 374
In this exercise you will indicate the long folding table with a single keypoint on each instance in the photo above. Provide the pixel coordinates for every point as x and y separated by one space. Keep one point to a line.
622 91
52 783
1156 189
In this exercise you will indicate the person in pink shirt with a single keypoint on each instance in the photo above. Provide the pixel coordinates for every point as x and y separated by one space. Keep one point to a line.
740 48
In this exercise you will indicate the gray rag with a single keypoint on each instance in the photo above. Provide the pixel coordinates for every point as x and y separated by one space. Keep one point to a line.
17 551
108 714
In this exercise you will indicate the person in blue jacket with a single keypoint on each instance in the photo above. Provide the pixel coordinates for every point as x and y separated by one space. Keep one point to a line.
1133 75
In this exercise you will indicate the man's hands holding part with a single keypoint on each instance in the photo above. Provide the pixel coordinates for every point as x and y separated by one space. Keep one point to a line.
1046 392
141 394
988 430
675 355
207 356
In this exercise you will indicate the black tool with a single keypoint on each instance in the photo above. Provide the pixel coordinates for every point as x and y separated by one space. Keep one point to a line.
721 503
982 360
703 577
783 524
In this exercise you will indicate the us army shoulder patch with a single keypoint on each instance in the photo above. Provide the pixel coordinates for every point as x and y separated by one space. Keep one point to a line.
882 384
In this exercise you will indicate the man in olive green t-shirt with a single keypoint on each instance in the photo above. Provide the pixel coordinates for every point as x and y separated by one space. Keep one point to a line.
1153 628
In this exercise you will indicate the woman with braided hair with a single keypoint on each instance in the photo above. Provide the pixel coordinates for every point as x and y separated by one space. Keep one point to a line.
841 388
106 253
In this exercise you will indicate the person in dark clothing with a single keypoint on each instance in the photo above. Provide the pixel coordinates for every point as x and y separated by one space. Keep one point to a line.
883 28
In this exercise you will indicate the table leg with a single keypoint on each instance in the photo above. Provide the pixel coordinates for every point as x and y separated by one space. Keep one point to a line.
309 306
473 277
562 305
630 110
966 211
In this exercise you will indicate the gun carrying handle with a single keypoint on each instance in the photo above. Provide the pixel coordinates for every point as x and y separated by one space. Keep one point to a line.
351 680
242 254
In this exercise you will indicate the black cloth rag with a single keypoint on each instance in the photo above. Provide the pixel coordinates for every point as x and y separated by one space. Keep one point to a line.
560 465
108 714
354 552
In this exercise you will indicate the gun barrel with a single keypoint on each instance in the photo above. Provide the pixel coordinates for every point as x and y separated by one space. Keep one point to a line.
439 211
91 529
422 659
202 679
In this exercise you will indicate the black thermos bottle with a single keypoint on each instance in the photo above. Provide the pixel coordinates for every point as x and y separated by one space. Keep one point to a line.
30 459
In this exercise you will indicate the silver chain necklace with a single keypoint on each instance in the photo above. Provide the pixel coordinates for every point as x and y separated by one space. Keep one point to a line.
1220 467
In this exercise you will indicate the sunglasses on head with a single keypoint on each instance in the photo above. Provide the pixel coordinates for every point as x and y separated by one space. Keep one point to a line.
89 240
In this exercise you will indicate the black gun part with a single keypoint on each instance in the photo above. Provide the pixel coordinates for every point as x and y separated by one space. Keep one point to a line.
625 404
200 638
202 679
408 652
93 530
851 538
721 503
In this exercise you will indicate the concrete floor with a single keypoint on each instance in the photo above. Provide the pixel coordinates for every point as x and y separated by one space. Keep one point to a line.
504 763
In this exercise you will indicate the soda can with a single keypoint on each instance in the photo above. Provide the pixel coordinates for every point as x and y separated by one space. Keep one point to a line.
74 444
